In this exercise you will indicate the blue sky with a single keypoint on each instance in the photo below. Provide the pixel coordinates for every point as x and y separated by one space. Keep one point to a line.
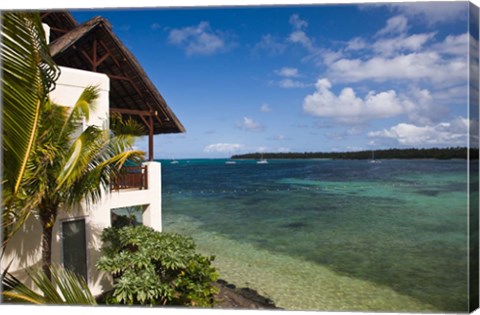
303 78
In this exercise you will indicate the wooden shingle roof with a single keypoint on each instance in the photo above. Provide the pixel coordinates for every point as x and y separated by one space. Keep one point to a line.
93 46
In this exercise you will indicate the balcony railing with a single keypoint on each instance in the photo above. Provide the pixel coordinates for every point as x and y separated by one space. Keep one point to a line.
131 177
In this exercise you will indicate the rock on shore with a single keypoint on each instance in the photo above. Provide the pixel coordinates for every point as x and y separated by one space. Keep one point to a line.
230 296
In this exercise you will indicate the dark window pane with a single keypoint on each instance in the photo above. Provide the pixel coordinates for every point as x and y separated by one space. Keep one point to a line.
75 247
127 216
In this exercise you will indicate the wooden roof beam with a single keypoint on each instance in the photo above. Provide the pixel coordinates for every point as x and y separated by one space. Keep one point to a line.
102 59
93 60
85 54
117 63
94 53
136 112
157 118
149 123
118 77
60 30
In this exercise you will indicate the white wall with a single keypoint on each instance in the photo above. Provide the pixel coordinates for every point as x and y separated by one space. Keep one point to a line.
70 86
24 249
46 29
152 197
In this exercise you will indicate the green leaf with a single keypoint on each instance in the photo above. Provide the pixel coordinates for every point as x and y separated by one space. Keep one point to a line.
65 288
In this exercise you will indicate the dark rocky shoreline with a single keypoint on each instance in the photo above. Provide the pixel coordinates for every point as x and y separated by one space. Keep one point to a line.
230 296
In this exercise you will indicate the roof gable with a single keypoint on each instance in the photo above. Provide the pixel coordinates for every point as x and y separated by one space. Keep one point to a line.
93 46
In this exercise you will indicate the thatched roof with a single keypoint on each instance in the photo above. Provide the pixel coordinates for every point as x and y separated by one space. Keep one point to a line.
60 22
93 46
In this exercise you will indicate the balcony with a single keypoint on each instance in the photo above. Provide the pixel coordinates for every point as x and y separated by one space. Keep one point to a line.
131 178
138 186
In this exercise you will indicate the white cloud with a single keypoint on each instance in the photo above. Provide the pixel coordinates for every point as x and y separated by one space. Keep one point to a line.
433 13
297 22
287 82
356 43
250 125
451 133
199 40
155 26
287 72
395 55
223 148
291 84
299 37
420 106
328 56
428 66
424 108
265 108
395 25
343 134
270 44
391 46
453 95
347 107
271 149
278 138
453 45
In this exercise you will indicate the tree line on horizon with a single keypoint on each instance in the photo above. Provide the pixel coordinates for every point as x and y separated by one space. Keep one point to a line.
410 153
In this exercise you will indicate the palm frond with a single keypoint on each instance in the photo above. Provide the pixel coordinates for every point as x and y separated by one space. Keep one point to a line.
83 151
82 108
65 287
129 126
28 74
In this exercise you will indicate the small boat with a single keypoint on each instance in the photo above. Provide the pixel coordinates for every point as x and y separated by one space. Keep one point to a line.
262 160
373 159
230 162
173 161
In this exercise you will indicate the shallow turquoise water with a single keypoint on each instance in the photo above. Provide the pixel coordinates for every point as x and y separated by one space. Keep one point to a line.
329 235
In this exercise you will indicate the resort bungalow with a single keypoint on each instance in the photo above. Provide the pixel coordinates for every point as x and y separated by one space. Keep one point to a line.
91 54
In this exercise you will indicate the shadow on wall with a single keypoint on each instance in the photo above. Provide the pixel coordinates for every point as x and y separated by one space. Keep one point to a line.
24 250
99 281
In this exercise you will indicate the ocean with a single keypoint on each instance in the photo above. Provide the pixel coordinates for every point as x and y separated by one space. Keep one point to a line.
326 235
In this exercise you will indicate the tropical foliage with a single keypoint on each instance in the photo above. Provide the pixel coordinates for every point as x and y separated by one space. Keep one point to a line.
65 288
68 165
155 268
28 75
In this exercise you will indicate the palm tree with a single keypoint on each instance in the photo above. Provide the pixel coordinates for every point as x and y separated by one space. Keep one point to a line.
65 288
28 75
65 168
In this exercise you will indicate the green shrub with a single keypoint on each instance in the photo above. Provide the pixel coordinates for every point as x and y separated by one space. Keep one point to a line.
155 268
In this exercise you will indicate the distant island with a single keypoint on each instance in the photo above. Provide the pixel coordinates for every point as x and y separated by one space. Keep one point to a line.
412 153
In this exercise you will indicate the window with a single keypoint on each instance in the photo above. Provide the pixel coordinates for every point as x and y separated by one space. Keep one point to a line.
126 216
75 246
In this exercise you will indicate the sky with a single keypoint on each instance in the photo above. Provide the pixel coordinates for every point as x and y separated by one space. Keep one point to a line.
303 78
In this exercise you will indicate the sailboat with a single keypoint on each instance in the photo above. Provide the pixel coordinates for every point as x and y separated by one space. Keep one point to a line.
373 158
262 160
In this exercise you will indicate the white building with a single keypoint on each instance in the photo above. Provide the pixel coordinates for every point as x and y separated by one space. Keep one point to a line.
91 54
